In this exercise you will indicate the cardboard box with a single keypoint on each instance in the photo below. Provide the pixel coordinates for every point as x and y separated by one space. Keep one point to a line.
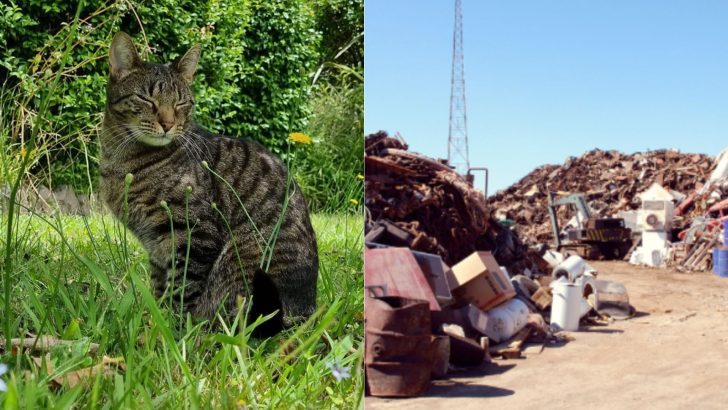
436 272
479 280
542 298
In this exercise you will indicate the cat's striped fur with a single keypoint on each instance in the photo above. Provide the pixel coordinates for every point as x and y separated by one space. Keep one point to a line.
149 132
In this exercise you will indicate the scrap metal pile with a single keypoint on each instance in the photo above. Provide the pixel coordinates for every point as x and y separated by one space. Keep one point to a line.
610 180
438 209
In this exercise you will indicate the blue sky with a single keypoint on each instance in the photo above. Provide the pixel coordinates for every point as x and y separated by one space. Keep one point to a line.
547 80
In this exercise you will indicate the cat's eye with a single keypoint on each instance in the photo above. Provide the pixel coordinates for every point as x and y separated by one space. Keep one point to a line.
146 100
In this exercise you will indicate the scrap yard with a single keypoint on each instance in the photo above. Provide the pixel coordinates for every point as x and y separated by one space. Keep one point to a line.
602 278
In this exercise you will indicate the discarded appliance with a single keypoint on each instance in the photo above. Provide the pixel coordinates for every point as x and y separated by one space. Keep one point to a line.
397 273
479 280
506 320
470 318
566 305
437 274
654 221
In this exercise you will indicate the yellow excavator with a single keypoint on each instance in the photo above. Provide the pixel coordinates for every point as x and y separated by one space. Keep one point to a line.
592 237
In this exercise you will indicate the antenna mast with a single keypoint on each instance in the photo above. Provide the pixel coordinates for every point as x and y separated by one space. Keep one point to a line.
457 141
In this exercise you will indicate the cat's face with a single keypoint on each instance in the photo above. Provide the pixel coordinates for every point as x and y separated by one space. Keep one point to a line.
150 103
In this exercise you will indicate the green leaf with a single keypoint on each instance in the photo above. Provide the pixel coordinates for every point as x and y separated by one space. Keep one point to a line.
73 330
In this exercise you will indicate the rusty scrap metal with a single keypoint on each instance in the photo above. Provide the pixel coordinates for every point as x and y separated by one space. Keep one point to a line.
398 348
610 180
444 214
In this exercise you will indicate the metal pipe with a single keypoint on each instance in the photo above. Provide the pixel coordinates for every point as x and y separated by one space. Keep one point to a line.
486 173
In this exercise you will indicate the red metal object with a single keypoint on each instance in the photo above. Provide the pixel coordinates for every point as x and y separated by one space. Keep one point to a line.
720 206
397 271
398 348
398 379
397 314
383 346
708 227
685 204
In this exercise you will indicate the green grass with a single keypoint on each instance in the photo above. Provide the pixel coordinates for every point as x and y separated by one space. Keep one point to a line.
77 277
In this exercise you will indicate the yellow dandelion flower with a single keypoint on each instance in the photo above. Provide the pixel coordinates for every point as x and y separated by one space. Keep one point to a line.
354 202
299 137
359 177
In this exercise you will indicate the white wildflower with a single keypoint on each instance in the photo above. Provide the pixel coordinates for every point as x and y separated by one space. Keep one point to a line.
3 370
339 372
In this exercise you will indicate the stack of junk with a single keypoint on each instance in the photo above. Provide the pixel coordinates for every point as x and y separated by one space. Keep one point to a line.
448 286
673 203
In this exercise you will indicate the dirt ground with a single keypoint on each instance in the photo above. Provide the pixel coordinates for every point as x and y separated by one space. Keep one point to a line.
672 355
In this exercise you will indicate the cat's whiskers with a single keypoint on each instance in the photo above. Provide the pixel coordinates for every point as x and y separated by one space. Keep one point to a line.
188 153
188 144
128 136
195 140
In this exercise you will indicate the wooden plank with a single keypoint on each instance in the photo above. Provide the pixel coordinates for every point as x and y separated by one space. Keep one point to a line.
511 348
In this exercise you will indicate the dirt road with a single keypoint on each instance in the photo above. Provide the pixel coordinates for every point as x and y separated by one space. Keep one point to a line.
672 355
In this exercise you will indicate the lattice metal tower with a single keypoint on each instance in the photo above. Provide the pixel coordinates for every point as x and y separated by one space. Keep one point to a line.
457 141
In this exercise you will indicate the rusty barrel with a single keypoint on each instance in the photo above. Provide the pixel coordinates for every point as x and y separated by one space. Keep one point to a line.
391 346
398 314
398 348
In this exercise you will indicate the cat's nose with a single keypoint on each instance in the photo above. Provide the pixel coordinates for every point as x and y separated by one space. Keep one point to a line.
166 126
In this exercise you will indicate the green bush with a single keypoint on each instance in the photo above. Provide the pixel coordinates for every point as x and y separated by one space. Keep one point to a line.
253 78
331 170
342 22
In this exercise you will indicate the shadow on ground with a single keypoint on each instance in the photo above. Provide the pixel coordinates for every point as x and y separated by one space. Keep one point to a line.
449 388
464 388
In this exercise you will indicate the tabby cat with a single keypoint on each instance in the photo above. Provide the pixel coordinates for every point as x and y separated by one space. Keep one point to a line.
149 131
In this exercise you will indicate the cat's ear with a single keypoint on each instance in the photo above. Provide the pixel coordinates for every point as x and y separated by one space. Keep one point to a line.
123 56
187 64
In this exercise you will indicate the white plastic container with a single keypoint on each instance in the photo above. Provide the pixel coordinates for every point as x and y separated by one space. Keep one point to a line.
506 319
566 307
573 267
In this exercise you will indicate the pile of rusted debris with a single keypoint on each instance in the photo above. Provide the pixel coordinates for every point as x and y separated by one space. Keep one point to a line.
433 209
448 286
610 181
425 319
